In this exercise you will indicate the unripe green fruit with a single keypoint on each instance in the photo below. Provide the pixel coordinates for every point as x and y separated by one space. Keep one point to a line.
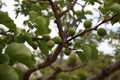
87 24
57 40
34 45
101 32
115 8
46 37
50 43
41 22
67 51
71 31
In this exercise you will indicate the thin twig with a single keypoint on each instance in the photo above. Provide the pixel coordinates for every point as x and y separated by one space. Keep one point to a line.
68 9
75 68
88 30
59 69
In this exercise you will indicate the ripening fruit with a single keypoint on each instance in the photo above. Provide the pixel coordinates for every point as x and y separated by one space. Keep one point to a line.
101 32
71 31
46 37
57 40
87 24
50 43
67 51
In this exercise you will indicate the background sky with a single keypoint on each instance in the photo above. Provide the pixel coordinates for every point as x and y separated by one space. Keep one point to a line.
19 22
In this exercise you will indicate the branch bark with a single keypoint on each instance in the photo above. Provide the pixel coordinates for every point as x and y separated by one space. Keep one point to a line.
68 9
58 19
106 72
59 69
52 57
94 28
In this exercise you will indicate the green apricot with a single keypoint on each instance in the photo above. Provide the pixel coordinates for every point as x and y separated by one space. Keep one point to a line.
50 43
57 40
71 31
115 8
87 24
46 37
67 51
101 32
35 45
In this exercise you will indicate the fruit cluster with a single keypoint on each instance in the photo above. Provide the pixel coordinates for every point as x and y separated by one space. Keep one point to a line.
51 42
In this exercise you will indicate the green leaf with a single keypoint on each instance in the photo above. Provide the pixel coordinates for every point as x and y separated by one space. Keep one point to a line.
28 38
89 12
8 73
43 47
32 15
103 10
83 56
4 59
87 49
20 53
7 21
20 72
18 31
94 53
2 45
30 25
42 25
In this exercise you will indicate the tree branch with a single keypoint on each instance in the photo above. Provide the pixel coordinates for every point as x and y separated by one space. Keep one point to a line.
52 57
106 72
53 76
58 19
75 68
59 69
88 30
68 9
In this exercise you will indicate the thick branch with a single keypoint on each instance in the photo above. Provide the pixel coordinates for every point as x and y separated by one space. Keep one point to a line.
53 76
106 72
50 59
58 18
